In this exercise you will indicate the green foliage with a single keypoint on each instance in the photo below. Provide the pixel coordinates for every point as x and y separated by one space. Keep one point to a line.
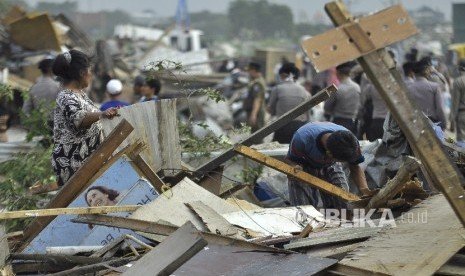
17 175
216 26
201 147
37 125
212 94
25 168
251 174
8 93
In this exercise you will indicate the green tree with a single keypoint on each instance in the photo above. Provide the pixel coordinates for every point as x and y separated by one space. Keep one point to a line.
67 8
259 19
113 18
311 29
215 26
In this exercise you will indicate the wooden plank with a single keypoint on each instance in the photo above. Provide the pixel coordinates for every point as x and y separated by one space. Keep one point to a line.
57 258
213 221
166 230
344 43
307 178
396 184
79 181
387 80
340 269
337 251
423 240
212 181
455 266
4 249
111 247
147 171
342 235
268 129
83 270
235 261
67 211
155 124
306 231
174 251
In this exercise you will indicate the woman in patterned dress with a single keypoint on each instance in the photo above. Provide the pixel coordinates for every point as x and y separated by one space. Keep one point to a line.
77 131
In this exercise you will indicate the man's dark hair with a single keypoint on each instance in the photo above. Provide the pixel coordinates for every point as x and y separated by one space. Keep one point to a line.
408 67
139 80
421 66
343 146
45 65
289 68
255 66
155 84
346 67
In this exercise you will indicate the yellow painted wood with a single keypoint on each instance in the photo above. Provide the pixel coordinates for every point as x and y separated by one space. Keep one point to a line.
337 46
67 211
298 174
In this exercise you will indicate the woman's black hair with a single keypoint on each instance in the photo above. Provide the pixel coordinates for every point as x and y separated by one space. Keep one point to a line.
112 194
71 66
343 146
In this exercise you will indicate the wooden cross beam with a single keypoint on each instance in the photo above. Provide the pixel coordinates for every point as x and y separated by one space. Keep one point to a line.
67 211
298 174
394 25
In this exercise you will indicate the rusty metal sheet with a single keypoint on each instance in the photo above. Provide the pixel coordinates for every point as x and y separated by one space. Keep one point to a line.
336 46
232 261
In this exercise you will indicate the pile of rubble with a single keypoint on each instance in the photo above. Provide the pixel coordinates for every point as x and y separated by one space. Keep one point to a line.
171 219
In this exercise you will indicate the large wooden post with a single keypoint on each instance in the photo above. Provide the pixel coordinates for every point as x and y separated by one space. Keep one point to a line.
365 39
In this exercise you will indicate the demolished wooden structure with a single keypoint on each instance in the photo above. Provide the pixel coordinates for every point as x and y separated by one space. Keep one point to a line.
192 232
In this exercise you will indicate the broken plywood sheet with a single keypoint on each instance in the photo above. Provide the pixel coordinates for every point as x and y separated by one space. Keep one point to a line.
277 221
423 240
35 32
212 220
243 204
171 207
155 124
235 260
170 254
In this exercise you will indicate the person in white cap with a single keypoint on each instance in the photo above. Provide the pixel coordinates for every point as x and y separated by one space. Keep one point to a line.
114 88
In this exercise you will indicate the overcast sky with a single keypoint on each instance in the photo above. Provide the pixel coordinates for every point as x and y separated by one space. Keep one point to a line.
301 8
